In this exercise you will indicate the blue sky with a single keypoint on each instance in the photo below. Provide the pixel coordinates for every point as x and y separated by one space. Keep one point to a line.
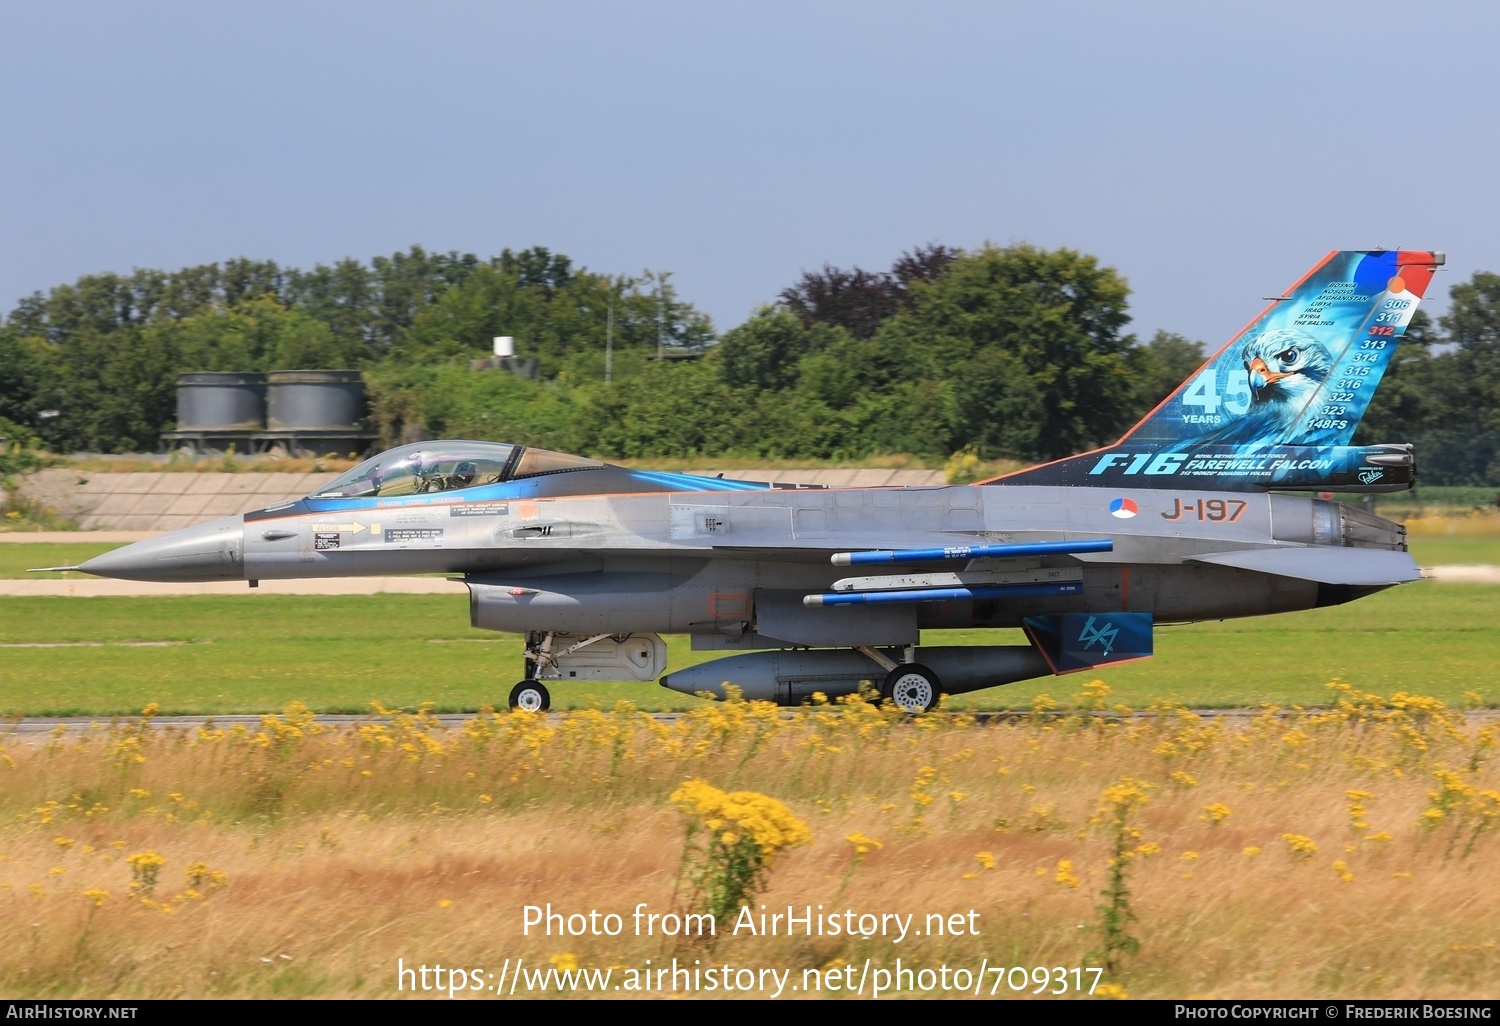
1210 153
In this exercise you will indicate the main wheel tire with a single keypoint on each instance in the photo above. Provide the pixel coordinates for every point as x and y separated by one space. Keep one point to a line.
530 695
910 688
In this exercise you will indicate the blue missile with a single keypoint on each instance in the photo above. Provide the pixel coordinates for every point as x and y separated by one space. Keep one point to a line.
876 598
971 552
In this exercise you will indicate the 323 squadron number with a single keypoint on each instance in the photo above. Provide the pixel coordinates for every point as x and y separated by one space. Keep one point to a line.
1210 510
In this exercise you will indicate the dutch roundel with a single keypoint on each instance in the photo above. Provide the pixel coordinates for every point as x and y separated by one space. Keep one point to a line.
1123 508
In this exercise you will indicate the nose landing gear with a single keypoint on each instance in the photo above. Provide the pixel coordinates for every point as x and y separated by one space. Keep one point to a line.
530 695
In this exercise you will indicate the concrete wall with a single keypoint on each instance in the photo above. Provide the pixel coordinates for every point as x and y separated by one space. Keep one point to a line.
162 501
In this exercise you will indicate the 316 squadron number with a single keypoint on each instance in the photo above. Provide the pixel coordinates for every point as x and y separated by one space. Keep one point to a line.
1211 510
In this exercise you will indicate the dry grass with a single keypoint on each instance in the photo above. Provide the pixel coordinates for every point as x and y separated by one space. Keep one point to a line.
344 851
1483 523
273 462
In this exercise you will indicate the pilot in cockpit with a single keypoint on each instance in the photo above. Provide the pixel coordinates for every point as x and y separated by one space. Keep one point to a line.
464 473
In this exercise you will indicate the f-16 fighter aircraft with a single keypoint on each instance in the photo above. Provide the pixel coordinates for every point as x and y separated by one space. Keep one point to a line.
1187 517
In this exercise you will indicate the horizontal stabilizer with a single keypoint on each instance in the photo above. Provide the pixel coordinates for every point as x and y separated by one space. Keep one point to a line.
972 552
1077 641
1325 564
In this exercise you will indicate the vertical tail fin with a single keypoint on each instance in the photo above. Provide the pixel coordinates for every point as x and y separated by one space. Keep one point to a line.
1276 407
1303 372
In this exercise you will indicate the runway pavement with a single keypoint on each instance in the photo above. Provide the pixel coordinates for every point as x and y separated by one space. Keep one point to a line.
93 587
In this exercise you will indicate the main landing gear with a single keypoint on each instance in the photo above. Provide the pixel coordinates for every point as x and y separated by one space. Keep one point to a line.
911 687
908 685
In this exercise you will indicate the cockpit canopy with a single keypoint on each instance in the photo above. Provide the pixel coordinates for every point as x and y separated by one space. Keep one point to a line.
448 466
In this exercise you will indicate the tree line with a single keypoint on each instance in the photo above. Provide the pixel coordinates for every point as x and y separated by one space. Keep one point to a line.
1012 352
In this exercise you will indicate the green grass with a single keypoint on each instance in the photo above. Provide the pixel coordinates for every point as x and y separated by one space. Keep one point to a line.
1426 638
18 557
256 653
1440 550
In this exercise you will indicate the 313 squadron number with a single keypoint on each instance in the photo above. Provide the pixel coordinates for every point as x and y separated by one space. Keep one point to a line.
1210 510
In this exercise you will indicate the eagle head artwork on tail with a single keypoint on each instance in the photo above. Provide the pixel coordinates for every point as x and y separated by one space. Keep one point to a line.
1285 368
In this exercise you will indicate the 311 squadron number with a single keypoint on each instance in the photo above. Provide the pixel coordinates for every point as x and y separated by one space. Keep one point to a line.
1213 510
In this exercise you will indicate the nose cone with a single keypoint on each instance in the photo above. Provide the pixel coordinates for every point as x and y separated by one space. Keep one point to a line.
208 552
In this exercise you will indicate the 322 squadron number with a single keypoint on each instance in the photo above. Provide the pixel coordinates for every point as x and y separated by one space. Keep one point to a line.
1214 510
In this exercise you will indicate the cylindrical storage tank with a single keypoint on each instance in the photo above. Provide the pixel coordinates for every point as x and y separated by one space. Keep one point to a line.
315 400
214 401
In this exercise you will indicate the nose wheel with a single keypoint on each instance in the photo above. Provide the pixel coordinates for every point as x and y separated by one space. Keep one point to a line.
530 695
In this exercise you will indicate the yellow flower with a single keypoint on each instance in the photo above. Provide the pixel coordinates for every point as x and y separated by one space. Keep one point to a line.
862 844
1300 847
1252 851
769 822
199 874
565 962
1110 992
1189 856
145 866
1214 814
97 896
1182 779
986 860
1065 876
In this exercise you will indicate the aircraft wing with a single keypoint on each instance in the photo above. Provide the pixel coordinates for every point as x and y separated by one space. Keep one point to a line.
1323 564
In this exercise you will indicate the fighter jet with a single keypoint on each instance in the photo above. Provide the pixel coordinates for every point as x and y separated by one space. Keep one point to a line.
1201 511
